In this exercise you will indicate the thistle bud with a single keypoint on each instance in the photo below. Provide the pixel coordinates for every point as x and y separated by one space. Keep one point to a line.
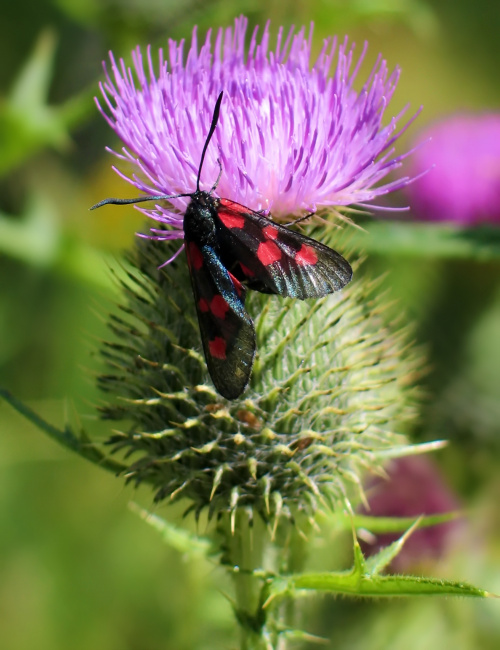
331 386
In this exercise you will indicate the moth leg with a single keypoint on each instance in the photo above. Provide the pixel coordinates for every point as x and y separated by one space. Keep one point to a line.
214 186
303 218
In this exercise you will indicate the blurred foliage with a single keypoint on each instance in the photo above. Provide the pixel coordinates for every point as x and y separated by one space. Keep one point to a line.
77 569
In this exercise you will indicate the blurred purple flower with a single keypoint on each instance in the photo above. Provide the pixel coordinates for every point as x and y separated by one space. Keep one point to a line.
415 487
290 137
464 186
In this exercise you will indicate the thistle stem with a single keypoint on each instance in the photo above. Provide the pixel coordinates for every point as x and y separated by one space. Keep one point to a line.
66 437
245 540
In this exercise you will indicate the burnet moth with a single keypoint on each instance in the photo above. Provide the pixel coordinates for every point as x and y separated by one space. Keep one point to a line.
231 248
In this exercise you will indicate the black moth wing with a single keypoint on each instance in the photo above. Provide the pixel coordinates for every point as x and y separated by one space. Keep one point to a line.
271 258
227 331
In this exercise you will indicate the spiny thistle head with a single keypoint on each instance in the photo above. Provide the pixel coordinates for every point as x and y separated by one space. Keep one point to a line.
331 385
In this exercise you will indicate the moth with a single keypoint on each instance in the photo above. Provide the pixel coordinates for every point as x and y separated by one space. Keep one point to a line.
230 249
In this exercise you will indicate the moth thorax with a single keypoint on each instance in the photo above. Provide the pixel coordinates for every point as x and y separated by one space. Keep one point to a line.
199 223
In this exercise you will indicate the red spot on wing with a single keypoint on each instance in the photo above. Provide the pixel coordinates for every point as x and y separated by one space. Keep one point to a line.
268 253
203 305
270 232
237 284
231 220
195 256
306 256
219 307
217 348
246 271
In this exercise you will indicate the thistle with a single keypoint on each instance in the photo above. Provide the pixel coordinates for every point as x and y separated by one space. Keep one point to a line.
289 139
463 185
333 385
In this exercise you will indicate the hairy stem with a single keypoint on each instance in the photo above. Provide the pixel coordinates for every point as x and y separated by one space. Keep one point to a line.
245 543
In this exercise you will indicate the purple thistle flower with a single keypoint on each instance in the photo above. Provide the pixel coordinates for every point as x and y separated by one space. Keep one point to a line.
290 138
464 186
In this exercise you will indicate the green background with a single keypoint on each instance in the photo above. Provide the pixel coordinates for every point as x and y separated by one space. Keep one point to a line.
77 568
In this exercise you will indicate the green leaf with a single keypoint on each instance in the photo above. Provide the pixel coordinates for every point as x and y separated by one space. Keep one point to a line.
376 563
27 122
364 580
383 586
354 584
178 538
438 240
390 524
37 239
33 239
33 83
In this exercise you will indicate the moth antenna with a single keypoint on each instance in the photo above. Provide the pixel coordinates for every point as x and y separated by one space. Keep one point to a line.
139 199
215 119
164 197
